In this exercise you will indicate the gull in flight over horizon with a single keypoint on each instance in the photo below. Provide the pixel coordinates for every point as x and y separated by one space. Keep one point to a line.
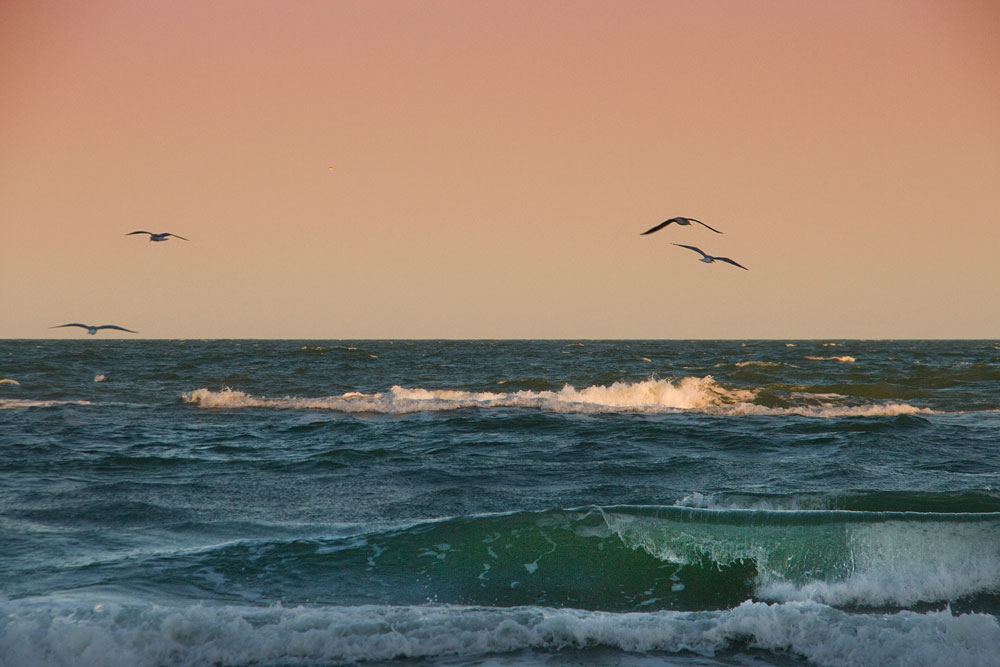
708 259
680 221
93 329
163 236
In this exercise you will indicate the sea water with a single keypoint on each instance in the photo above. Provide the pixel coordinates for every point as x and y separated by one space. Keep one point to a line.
242 502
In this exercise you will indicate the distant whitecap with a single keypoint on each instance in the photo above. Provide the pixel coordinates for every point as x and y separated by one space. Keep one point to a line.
844 359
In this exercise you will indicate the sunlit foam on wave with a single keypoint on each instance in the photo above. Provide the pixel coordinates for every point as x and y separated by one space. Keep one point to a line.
143 634
692 394
843 359
831 411
652 395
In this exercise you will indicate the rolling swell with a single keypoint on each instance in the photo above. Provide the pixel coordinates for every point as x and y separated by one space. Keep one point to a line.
614 559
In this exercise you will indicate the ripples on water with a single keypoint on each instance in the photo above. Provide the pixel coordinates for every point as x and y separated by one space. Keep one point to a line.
319 502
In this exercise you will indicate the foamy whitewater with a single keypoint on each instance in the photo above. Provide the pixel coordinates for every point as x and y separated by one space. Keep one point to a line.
277 503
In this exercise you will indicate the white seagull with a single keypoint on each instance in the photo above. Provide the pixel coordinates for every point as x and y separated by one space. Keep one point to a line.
93 329
708 259
679 221
163 236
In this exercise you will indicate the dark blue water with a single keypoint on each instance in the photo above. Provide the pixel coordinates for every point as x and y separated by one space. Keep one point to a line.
499 502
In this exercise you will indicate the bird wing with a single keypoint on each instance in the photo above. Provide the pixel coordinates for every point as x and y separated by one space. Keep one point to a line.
71 324
139 232
175 236
704 225
691 247
734 263
112 326
657 228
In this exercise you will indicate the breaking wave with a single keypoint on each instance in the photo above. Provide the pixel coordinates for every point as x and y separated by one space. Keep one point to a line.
841 558
616 559
630 578
145 635
686 394
649 396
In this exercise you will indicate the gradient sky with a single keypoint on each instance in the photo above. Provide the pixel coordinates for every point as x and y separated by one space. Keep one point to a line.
494 164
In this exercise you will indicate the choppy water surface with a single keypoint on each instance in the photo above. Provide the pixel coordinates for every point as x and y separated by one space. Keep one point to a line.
499 502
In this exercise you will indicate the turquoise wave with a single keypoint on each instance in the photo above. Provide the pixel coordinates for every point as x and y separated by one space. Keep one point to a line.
626 558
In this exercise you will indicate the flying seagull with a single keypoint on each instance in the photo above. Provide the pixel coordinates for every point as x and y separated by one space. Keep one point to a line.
158 237
708 259
93 329
679 221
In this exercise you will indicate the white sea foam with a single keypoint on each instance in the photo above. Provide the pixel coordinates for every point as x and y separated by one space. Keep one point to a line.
843 359
831 411
9 381
741 501
100 377
648 396
767 364
140 635
19 404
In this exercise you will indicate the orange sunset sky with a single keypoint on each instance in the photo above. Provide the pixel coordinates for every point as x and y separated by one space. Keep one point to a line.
493 164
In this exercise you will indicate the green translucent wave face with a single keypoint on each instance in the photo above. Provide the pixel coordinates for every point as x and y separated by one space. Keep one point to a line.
841 558
617 559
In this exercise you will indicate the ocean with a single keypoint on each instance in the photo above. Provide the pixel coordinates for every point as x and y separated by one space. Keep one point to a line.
396 502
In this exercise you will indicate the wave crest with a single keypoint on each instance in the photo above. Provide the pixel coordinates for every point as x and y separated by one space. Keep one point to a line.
688 393
649 396
840 558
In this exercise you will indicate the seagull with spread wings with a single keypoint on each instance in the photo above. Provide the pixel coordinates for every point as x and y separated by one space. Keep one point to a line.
708 259
162 236
679 221
91 329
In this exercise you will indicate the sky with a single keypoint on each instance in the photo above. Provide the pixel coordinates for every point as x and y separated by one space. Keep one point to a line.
455 169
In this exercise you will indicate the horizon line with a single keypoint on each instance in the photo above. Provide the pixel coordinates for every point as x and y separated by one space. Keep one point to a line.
512 339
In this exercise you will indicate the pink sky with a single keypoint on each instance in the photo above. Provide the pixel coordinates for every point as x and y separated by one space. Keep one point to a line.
494 164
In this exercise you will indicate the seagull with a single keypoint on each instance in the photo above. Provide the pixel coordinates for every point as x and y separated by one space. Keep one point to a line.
158 237
93 329
679 221
708 259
